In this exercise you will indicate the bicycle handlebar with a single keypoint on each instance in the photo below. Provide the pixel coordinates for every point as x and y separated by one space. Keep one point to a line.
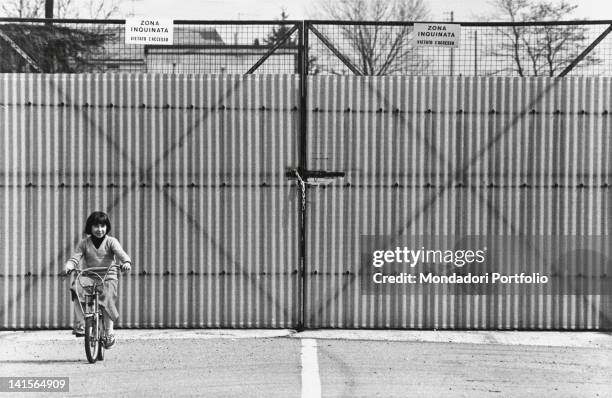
94 270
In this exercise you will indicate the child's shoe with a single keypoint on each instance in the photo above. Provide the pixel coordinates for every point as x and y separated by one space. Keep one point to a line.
78 330
109 341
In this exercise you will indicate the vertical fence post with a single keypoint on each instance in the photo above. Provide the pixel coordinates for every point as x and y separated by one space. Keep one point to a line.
303 69
475 53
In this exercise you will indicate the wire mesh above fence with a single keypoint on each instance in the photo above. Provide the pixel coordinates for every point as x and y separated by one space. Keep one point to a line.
99 46
484 49
327 47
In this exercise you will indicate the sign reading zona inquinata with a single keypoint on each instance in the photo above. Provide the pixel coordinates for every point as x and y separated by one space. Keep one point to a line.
436 35
149 31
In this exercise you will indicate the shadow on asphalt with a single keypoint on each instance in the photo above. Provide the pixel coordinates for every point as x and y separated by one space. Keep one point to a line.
41 361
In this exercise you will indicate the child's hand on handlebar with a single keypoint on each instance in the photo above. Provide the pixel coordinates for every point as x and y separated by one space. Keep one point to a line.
125 267
68 268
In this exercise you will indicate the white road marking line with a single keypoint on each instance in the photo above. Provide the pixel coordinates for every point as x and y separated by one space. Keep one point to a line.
311 383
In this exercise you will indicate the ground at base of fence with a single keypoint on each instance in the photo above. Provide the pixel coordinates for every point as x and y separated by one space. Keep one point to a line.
585 339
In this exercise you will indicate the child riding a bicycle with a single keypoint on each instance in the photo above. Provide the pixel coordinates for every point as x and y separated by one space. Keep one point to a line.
98 250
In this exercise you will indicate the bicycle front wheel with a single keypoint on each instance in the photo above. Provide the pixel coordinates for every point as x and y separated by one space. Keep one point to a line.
100 337
92 339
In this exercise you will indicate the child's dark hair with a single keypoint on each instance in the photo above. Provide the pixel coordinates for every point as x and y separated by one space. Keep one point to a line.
95 218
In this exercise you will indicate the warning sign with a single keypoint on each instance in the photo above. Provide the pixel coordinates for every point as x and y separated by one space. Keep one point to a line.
436 35
148 31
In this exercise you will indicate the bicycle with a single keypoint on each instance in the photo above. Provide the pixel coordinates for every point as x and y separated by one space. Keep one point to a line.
92 311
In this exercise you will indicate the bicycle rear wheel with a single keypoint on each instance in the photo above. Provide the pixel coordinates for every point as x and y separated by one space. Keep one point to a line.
92 338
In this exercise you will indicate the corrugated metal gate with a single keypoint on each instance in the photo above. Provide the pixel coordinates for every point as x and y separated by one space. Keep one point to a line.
504 157
191 171
194 173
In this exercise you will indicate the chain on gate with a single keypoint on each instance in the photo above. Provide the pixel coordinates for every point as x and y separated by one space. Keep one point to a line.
302 184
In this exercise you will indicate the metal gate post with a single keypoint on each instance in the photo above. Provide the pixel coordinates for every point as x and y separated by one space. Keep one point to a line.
302 167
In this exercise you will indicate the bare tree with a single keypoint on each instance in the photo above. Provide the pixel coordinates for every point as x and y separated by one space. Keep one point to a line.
378 49
539 50
94 9
24 8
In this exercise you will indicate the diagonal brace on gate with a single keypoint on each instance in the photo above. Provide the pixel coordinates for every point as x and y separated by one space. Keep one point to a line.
586 51
334 50
20 51
271 51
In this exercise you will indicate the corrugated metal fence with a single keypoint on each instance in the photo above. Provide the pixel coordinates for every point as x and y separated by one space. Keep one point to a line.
192 170
495 157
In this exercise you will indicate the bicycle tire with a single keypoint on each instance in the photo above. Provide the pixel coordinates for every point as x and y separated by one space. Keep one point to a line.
92 339
100 334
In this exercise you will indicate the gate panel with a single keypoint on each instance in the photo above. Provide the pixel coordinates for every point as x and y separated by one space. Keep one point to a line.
191 170
504 158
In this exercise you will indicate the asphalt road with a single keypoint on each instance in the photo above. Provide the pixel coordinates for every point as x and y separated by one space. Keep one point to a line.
224 366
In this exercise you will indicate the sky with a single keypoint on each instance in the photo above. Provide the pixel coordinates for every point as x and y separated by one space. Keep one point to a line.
464 10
